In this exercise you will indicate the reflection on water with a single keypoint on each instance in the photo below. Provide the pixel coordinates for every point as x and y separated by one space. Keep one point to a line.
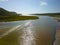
10 24
14 28
33 32
28 37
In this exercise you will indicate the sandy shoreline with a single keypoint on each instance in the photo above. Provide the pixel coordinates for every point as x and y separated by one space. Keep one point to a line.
57 41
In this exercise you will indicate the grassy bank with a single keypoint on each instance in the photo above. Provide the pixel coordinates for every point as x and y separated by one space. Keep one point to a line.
16 18
6 16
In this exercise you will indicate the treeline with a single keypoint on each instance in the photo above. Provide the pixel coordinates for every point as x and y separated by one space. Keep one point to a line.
47 14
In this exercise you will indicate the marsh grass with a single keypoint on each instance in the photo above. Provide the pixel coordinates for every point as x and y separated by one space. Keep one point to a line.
16 18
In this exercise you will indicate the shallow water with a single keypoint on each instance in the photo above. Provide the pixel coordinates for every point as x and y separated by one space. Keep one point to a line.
30 32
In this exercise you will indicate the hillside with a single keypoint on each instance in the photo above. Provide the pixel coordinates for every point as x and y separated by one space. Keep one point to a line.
7 13
6 16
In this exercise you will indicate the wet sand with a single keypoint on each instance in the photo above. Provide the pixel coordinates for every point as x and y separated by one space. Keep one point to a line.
57 41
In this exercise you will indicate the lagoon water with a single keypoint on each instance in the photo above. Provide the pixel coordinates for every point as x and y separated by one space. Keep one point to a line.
41 31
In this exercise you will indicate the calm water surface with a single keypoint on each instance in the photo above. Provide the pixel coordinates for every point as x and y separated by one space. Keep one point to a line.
30 32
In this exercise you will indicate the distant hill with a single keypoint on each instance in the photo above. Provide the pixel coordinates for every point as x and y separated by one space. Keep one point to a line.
46 14
7 13
3 11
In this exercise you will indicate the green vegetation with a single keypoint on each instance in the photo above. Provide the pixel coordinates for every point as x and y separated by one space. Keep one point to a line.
4 12
13 16
16 18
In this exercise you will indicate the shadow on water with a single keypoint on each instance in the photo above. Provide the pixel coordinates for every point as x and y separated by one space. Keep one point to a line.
33 32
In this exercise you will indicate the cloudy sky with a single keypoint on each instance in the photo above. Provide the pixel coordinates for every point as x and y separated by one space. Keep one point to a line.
31 6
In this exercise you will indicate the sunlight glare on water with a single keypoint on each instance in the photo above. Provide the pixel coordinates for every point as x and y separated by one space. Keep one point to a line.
14 28
28 37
